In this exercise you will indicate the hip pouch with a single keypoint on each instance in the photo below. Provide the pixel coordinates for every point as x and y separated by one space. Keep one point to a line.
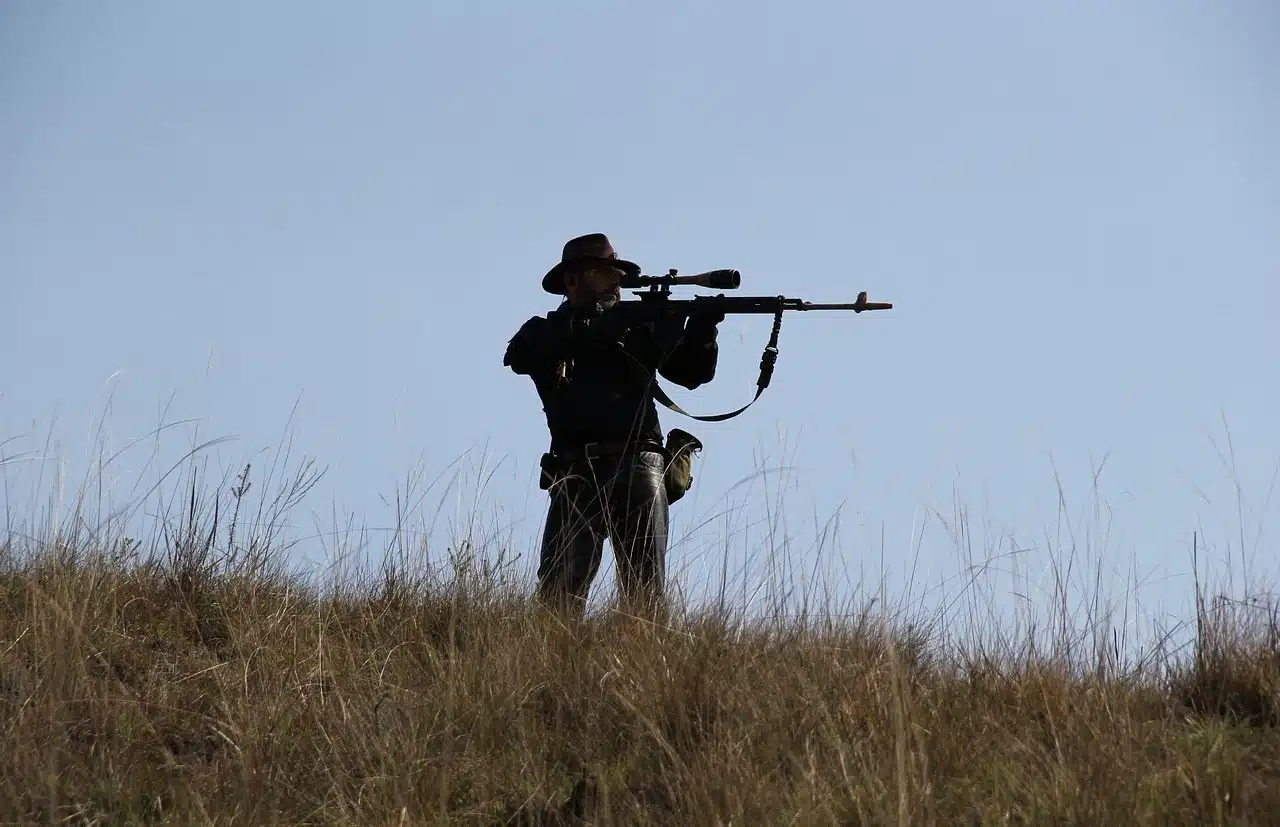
550 469
681 448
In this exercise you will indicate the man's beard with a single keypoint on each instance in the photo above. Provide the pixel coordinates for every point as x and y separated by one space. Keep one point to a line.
606 300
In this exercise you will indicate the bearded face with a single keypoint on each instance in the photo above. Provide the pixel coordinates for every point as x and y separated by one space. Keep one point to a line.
598 288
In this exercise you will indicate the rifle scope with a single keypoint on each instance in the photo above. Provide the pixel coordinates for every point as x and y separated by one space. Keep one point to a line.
715 279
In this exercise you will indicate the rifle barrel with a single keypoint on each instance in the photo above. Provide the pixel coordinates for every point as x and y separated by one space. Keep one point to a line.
855 306
738 305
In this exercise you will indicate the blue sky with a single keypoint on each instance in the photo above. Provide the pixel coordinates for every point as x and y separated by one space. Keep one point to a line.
214 212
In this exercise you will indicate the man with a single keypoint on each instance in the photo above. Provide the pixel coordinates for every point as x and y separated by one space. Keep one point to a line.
594 370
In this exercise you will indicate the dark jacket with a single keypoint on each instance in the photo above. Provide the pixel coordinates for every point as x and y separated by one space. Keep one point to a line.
595 390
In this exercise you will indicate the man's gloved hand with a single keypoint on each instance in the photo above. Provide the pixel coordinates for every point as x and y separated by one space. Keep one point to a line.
709 316
702 323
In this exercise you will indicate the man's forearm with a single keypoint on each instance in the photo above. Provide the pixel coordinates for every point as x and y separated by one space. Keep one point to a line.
693 361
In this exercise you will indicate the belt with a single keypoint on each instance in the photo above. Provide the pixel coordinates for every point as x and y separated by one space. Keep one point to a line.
596 450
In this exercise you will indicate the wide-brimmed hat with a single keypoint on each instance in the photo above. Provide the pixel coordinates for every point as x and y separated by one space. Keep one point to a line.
580 253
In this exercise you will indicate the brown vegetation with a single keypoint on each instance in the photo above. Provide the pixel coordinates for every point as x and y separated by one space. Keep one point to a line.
200 686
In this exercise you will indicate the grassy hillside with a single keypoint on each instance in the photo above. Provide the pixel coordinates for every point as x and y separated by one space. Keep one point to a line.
197 681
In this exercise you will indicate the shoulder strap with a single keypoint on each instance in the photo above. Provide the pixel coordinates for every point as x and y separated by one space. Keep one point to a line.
767 360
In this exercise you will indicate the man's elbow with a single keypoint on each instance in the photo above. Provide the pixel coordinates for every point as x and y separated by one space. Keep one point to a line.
511 359
525 349
694 376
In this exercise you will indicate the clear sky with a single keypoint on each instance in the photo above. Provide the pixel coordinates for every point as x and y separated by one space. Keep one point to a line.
211 212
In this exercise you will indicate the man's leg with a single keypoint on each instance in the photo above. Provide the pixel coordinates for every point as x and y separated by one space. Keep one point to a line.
638 532
572 545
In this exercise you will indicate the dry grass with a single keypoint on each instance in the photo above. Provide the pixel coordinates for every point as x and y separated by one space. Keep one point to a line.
201 682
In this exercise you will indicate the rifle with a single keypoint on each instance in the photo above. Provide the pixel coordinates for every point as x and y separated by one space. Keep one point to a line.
657 300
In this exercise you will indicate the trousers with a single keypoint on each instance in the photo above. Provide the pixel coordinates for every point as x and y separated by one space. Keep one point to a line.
622 499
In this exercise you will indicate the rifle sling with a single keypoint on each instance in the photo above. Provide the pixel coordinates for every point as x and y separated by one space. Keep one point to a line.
767 360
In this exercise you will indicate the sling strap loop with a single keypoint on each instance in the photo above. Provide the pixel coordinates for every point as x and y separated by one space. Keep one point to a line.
767 360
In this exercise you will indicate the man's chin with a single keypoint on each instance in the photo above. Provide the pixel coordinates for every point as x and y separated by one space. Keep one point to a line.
607 301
